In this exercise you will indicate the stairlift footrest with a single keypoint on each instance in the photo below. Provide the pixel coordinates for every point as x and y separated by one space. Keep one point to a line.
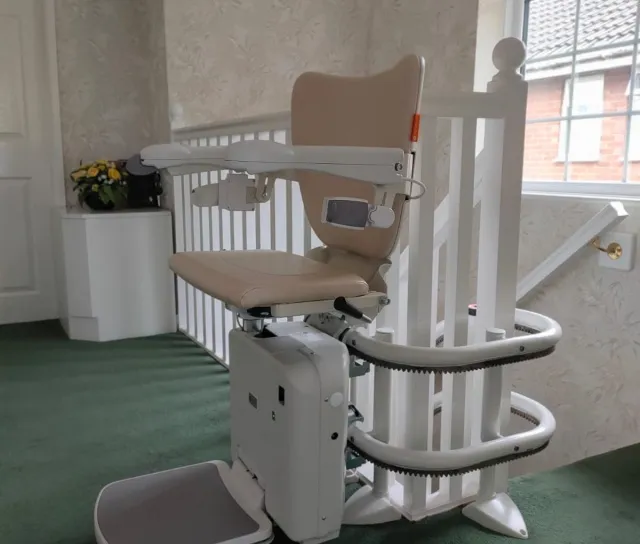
191 504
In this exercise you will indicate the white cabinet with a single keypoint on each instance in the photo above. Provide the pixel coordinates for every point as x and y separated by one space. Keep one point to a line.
114 279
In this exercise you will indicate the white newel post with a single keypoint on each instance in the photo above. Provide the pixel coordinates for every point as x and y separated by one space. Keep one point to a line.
498 263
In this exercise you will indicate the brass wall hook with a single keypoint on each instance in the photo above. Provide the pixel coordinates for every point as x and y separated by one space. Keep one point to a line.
613 250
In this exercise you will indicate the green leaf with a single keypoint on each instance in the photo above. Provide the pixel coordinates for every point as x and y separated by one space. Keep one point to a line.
103 194
108 189
120 200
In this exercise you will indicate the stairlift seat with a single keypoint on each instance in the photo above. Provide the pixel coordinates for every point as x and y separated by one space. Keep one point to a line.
249 279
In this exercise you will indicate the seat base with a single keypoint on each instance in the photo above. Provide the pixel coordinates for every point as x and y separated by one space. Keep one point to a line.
188 505
370 304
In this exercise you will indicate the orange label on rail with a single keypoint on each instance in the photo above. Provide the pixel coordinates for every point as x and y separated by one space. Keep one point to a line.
415 128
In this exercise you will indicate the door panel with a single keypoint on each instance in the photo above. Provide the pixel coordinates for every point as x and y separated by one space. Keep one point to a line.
27 286
11 83
17 272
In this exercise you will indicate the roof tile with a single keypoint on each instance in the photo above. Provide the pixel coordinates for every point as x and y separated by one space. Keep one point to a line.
551 28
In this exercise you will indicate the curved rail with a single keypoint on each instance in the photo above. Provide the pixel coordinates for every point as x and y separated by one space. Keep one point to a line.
452 462
545 333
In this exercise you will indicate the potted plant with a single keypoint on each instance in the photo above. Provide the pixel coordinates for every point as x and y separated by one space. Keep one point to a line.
101 185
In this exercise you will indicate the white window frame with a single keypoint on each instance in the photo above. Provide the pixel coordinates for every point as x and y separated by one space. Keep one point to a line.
586 134
634 129
514 26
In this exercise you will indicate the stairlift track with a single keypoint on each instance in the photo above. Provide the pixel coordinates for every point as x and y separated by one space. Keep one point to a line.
543 334
292 425
462 461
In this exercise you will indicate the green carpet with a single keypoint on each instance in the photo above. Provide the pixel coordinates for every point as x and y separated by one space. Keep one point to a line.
75 416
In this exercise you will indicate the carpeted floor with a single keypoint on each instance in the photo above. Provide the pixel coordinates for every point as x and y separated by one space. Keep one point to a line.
75 416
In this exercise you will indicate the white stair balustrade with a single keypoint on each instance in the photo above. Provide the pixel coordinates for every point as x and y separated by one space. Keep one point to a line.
278 224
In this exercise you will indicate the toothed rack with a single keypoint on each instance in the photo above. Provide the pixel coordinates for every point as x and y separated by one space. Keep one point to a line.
454 368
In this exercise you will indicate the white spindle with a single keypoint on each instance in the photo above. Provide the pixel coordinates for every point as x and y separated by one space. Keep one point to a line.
251 219
188 185
238 218
382 413
180 233
457 296
500 222
199 245
272 206
418 398
245 220
281 195
214 239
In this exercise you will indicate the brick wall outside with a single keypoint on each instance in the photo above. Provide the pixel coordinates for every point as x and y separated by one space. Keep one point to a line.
541 139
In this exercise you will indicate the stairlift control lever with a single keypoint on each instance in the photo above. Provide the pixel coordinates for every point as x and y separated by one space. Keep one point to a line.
341 304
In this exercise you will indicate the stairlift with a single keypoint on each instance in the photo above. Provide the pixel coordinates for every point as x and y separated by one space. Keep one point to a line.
293 429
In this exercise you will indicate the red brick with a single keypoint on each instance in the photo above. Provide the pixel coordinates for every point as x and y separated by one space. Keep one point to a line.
541 140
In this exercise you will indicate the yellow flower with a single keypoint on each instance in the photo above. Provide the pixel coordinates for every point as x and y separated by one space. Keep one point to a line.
102 168
101 161
114 174
93 172
78 174
95 187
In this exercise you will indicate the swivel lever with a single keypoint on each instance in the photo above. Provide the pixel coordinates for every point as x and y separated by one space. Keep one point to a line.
342 305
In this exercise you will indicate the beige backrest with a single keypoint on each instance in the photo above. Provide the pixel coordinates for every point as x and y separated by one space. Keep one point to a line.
376 111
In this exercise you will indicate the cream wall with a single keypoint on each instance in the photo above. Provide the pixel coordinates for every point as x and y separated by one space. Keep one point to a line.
230 60
442 31
592 381
238 59
157 70
110 67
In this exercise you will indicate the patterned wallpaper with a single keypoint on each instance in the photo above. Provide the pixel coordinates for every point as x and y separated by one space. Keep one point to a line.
110 72
157 70
592 381
216 49
400 27
238 58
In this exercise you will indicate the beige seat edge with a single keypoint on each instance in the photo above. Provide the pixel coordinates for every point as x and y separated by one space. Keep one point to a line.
253 278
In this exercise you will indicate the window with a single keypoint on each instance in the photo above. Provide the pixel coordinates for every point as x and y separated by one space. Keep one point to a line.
634 129
585 134
583 111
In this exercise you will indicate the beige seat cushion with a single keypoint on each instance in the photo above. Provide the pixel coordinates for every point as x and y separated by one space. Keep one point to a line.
247 279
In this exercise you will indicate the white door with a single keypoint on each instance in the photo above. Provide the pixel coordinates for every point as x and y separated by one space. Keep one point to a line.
27 286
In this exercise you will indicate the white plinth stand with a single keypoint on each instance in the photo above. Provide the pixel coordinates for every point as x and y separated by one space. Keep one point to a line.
114 278
498 513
